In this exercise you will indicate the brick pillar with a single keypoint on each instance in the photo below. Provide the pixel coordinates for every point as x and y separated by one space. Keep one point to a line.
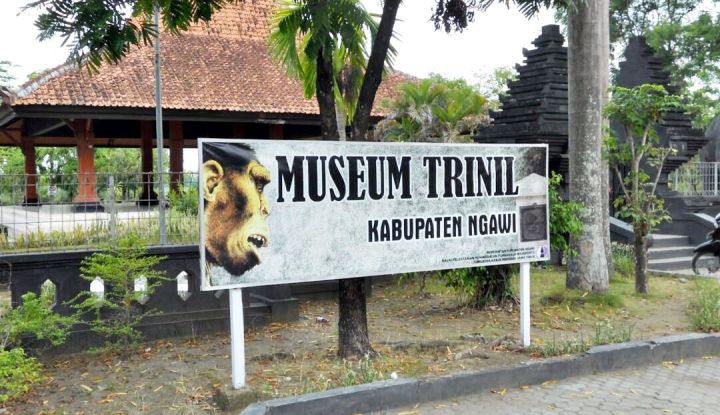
28 150
176 154
86 198
148 196
276 131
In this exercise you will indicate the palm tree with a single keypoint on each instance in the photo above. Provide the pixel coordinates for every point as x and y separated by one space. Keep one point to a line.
322 42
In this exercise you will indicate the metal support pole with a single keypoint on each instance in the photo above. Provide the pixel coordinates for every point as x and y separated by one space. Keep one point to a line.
159 130
111 206
525 304
237 338
715 178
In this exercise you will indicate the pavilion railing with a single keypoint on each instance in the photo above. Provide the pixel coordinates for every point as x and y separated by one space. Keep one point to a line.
697 179
57 212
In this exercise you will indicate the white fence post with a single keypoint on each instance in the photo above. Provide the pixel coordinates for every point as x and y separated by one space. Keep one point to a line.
715 178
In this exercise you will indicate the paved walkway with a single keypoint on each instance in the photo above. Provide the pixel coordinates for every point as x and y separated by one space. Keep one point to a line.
685 387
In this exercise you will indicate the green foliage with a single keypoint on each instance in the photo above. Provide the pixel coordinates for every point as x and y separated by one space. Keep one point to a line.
485 286
33 317
117 314
705 308
623 259
686 36
637 156
362 371
17 373
564 217
184 200
304 31
494 85
101 30
434 110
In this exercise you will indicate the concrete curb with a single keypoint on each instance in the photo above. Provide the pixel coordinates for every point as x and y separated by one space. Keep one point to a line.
378 396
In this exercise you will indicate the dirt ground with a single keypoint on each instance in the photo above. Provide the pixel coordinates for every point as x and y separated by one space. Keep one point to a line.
416 334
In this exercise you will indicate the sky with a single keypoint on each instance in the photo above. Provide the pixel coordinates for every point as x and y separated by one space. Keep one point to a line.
494 39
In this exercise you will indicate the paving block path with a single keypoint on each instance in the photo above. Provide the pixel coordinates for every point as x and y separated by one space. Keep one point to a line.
682 387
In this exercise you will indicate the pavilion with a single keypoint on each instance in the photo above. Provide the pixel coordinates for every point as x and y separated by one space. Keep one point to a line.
218 81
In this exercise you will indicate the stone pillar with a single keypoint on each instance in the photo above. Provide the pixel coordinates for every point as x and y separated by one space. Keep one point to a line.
148 196
28 150
176 155
276 131
86 199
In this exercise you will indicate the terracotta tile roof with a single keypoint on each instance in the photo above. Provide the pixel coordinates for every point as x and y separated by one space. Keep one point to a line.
221 66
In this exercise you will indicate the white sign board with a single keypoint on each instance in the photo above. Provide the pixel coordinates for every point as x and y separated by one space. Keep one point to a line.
276 212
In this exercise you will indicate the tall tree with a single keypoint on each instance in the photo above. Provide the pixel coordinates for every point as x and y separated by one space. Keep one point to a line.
314 40
588 80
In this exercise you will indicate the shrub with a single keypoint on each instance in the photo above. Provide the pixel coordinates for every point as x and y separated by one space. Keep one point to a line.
117 314
33 318
17 373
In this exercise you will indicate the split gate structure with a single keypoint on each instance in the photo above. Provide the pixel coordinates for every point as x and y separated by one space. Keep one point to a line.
535 109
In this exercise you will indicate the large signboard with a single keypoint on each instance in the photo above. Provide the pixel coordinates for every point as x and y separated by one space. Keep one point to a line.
276 212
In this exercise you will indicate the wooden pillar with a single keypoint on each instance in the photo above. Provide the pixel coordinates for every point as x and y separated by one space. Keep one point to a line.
86 198
276 131
239 130
176 155
148 196
28 150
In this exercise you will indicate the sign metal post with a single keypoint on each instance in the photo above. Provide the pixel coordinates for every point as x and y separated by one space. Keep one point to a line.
237 338
525 304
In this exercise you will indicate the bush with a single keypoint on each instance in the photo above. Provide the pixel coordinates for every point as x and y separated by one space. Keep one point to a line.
117 314
33 318
705 308
487 285
17 373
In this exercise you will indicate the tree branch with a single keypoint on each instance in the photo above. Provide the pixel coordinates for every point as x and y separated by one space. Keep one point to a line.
373 73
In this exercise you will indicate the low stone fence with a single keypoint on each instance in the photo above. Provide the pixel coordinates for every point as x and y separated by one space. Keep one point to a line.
184 309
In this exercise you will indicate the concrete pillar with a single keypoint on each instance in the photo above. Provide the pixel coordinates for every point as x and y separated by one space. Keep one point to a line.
28 150
86 198
176 155
148 196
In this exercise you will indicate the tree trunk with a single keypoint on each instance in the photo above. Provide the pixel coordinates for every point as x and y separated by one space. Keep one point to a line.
353 339
324 85
588 64
641 277
341 119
